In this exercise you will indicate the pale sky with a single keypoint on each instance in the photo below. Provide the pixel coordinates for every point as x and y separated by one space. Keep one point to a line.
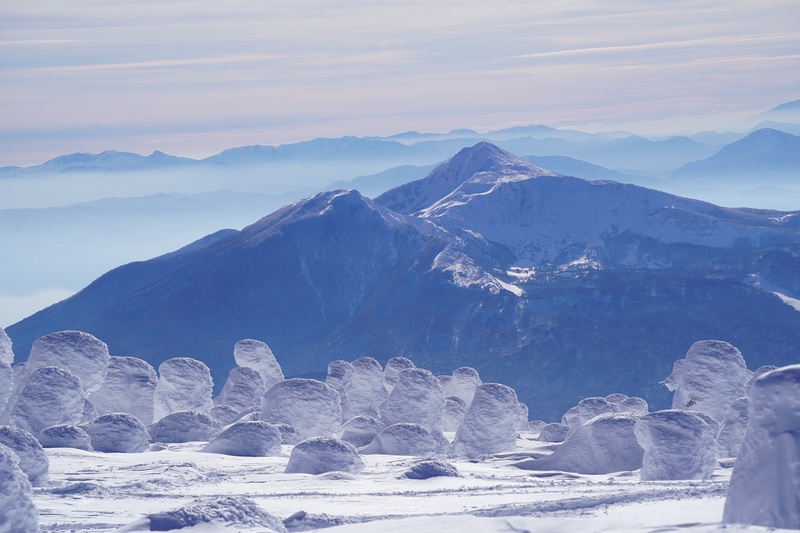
194 78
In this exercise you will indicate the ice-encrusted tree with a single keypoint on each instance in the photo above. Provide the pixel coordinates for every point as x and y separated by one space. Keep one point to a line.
49 396
463 383
252 438
602 445
307 404
416 398
677 445
243 388
6 348
65 436
713 376
18 514
81 353
490 422
184 384
365 390
360 430
763 487
394 366
324 454
257 355
32 459
407 439
129 387
185 426
118 432
6 384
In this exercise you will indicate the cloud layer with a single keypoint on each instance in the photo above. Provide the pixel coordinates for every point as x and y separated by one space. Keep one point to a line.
192 78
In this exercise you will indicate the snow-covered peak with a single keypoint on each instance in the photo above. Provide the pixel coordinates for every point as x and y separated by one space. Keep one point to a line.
481 157
326 209
482 163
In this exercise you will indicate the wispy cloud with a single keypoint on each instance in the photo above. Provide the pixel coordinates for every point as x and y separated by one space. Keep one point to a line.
101 75
666 45
39 42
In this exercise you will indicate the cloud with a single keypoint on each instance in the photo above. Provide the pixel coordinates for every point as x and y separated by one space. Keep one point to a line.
103 73
36 42
747 40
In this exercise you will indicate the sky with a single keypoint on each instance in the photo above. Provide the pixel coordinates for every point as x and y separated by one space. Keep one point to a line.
192 78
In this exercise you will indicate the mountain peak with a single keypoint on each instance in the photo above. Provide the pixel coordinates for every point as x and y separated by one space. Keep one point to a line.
483 162
481 157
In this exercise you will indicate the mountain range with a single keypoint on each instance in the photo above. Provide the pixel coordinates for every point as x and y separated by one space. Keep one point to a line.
559 286
764 155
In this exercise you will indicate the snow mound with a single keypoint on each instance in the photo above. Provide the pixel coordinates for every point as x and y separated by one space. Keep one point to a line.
677 445
18 514
589 408
605 444
50 396
360 430
224 414
6 350
417 398
243 388
554 432
463 383
129 387
65 436
118 432
258 356
249 439
536 426
225 512
762 489
6 384
311 406
714 375
339 374
184 384
429 469
404 439
616 398
289 434
81 353
394 366
324 454
490 422
634 405
185 426
32 459
571 417
454 410
365 391
734 425
303 521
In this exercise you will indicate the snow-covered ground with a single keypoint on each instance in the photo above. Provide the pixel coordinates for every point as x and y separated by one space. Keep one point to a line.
92 492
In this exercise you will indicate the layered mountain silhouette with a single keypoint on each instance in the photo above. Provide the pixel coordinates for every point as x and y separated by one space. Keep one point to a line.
558 286
766 155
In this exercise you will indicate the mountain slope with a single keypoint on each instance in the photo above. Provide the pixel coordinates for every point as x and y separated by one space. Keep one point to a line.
447 177
559 287
766 154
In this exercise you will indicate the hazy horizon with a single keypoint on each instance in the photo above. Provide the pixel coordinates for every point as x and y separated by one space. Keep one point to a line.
192 81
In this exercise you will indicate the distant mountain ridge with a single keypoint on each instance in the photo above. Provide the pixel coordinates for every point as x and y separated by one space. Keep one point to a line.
763 153
557 286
